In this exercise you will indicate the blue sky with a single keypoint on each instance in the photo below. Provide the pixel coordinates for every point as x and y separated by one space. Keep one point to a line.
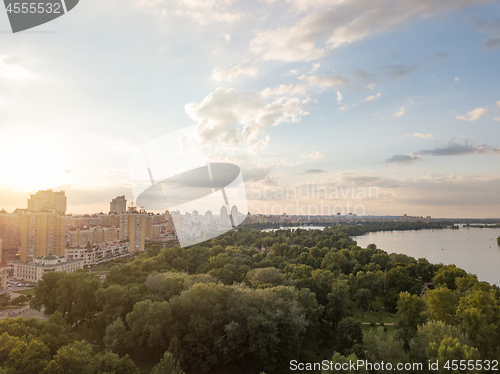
401 96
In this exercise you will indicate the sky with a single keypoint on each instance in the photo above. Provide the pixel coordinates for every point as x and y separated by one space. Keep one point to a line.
384 107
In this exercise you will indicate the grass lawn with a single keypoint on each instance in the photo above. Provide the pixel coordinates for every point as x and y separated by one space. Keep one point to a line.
30 291
9 307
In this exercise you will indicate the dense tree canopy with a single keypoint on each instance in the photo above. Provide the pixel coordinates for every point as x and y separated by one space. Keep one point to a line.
251 301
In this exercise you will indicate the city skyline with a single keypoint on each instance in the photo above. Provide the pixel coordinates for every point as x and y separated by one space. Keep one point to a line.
338 94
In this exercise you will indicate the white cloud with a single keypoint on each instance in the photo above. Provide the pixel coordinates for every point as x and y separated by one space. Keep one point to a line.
290 72
287 44
457 79
404 159
346 106
400 112
419 135
226 74
498 103
339 97
259 146
11 71
371 86
333 24
497 119
473 115
229 117
323 80
227 38
374 97
204 12
199 11
285 89
314 155
315 66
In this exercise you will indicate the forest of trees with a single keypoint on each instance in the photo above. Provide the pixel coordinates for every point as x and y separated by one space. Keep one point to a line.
250 302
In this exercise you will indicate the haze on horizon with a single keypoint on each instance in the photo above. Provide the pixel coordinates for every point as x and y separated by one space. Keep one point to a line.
336 94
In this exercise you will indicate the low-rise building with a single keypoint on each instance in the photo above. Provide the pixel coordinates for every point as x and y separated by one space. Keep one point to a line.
95 254
33 271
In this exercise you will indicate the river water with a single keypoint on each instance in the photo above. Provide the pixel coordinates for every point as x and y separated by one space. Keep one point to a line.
473 249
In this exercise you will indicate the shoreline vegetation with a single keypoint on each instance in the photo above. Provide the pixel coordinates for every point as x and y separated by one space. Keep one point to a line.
251 301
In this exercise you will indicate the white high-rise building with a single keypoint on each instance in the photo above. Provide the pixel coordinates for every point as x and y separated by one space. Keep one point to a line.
235 215
224 217
208 217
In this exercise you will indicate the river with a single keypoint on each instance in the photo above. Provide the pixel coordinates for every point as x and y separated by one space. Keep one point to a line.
473 249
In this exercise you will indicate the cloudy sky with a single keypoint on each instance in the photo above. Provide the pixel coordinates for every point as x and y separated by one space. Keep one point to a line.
401 97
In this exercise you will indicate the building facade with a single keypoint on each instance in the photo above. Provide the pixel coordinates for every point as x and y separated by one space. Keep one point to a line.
48 200
118 205
42 233
93 235
95 254
134 227
33 271
9 233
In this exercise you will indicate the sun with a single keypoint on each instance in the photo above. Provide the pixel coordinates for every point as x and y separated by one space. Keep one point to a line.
30 163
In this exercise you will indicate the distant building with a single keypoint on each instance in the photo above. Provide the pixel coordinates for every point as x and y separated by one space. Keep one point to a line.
208 217
235 215
48 200
178 221
135 226
9 232
4 275
33 271
118 205
95 254
131 208
3 271
93 235
42 233
224 217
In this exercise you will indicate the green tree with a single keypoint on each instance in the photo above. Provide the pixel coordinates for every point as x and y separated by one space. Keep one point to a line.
46 292
7 344
478 313
265 277
450 349
117 301
167 365
363 300
149 323
74 358
348 333
447 274
383 346
338 302
466 283
442 305
433 331
109 362
411 314
117 337
28 357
